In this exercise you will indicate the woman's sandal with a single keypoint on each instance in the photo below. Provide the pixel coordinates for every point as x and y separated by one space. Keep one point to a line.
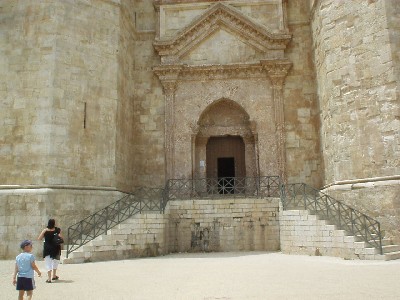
48 281
55 278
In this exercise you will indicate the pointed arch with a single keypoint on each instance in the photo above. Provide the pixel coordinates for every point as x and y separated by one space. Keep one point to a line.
226 121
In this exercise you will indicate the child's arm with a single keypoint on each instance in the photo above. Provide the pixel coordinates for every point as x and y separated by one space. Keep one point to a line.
15 274
36 269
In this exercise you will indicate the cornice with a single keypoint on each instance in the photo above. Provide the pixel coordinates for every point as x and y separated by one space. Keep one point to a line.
221 15
264 69
163 2
277 67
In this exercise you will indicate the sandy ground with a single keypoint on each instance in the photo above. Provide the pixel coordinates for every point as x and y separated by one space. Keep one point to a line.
222 276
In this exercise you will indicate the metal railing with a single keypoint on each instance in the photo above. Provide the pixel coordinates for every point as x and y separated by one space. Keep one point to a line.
302 196
293 196
154 199
234 187
143 199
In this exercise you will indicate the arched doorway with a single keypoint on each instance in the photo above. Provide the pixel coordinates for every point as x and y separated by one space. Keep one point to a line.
225 142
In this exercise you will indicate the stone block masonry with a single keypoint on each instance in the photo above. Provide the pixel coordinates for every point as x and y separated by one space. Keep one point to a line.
223 225
190 226
302 233
24 212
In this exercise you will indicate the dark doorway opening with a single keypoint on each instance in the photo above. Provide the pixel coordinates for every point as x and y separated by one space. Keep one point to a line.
226 166
225 163
226 175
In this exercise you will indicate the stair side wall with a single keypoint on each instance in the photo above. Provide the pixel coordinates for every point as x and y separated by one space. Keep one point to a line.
143 235
302 233
190 226
223 225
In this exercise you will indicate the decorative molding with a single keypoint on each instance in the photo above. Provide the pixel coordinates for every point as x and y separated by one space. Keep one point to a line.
163 2
220 15
366 182
274 67
276 70
57 187
277 67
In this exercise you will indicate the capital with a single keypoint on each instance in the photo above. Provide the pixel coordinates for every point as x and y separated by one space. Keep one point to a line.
277 71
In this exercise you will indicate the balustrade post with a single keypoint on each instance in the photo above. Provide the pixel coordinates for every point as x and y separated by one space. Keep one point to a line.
352 222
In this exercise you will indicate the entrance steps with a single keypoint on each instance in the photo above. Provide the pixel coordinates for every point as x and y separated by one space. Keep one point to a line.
303 233
140 236
145 235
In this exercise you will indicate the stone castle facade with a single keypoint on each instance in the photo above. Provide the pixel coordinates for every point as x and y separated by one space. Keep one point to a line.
99 97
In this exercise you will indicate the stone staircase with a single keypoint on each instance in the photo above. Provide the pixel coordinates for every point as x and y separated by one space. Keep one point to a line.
390 251
303 233
142 235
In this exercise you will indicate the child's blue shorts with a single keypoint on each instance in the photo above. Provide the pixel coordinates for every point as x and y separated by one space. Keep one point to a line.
25 284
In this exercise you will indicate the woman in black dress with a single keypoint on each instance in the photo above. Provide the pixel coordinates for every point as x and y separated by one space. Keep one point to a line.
51 251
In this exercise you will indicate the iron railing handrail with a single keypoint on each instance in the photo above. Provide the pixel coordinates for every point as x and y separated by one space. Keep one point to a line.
154 199
98 223
345 217
234 187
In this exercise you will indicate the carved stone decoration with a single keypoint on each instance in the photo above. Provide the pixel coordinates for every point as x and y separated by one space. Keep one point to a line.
217 16
277 72
177 70
169 79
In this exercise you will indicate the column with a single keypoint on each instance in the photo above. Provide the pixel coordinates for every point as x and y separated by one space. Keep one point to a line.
277 71
277 88
169 91
169 78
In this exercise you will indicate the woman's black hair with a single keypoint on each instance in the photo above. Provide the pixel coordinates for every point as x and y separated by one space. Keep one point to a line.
51 224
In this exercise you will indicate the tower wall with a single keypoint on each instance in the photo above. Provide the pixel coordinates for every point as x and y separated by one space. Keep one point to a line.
304 161
61 105
147 151
60 97
357 63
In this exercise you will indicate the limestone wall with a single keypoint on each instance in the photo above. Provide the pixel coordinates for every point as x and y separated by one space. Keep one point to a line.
357 89
58 105
223 225
24 213
125 114
378 198
357 62
303 151
27 62
148 100
393 19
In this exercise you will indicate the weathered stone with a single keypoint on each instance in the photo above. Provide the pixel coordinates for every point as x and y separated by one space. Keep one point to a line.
110 95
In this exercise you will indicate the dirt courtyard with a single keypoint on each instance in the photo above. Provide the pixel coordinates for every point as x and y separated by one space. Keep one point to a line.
211 276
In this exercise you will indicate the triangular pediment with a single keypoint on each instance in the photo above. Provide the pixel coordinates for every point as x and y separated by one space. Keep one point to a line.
222 47
220 21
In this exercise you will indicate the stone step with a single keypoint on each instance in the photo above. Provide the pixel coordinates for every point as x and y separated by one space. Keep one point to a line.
390 248
392 255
